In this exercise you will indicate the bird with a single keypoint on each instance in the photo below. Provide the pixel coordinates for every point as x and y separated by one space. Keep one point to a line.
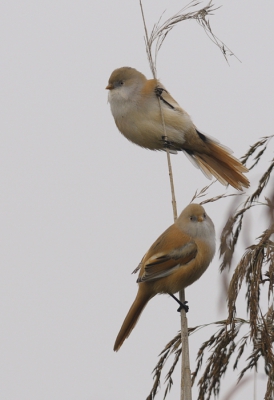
135 107
174 261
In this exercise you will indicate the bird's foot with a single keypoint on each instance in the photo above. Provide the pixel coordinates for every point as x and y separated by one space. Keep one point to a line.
159 91
166 143
169 145
183 306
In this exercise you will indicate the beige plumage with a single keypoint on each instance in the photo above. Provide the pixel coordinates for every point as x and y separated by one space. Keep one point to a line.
134 105
175 260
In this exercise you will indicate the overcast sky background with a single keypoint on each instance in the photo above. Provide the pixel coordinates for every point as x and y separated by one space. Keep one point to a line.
80 205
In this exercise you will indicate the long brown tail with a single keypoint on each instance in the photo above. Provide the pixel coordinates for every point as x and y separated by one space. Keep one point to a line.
131 318
218 161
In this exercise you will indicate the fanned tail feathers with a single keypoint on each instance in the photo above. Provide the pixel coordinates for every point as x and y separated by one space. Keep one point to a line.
221 164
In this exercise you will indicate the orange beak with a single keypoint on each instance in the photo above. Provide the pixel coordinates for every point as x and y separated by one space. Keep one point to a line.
109 86
200 218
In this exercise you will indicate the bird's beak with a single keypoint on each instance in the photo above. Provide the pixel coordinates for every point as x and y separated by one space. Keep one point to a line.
200 218
109 86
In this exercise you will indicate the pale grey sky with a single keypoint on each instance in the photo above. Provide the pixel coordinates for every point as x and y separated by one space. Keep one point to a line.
80 205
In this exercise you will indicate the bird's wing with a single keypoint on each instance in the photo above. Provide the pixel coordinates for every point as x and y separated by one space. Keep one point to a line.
167 255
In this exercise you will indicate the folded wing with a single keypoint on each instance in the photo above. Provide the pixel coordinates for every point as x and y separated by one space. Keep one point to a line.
163 264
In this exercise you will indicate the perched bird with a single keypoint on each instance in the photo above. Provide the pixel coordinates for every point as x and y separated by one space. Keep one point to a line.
175 260
134 105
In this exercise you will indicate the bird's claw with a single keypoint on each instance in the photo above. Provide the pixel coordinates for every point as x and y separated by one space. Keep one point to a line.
166 143
159 91
183 306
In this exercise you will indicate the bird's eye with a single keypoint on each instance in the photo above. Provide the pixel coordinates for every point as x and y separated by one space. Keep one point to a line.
204 215
191 218
121 83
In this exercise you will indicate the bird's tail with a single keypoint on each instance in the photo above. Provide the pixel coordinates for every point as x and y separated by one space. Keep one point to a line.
219 162
131 319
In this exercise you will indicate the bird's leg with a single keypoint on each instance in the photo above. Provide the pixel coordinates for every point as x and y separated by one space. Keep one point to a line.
182 305
166 143
158 92
169 145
